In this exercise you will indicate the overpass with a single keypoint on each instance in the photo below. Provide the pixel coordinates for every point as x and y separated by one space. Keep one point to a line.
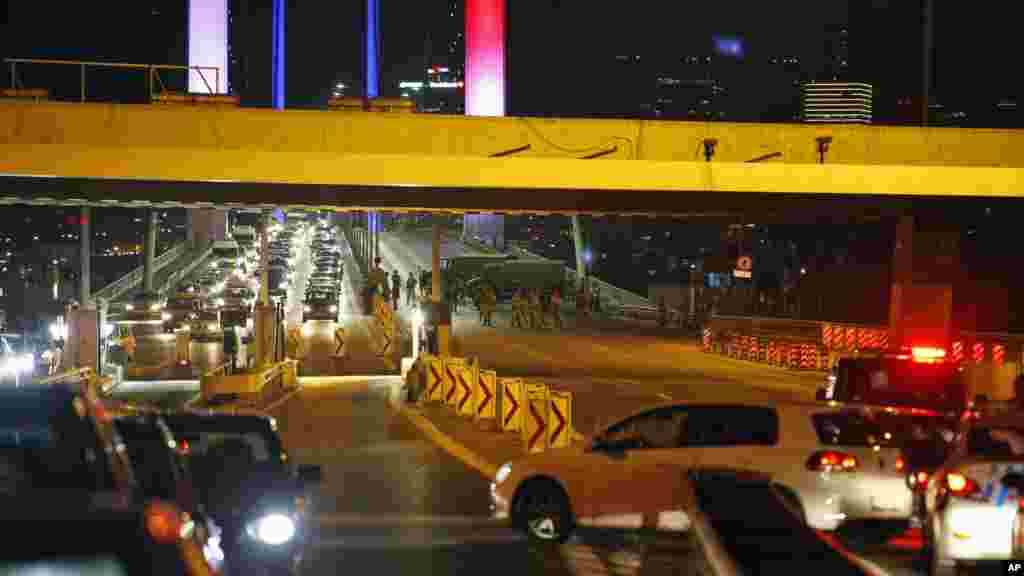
197 156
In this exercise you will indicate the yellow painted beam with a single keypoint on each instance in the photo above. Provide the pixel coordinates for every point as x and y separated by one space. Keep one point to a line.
312 131
469 183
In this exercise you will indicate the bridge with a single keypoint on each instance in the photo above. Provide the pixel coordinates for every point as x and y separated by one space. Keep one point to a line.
221 157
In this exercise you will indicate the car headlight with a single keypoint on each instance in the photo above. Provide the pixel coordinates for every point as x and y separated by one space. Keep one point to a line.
211 327
129 307
165 316
307 309
273 529
502 473
334 308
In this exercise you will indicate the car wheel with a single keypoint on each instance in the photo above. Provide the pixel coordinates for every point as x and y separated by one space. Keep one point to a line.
543 511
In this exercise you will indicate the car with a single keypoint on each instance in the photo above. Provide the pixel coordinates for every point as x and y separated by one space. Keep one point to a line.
834 463
161 471
319 306
973 506
206 327
63 467
259 503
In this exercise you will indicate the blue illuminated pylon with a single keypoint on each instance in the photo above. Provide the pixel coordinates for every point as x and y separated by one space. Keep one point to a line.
372 75
277 84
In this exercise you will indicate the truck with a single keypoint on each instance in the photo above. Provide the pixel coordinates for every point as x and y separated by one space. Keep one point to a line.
506 277
916 377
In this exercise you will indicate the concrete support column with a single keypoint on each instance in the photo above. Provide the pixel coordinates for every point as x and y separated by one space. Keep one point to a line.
925 264
440 318
263 313
577 239
149 252
81 350
85 276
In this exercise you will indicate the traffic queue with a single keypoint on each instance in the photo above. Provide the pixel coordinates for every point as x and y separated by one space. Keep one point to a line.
892 442
323 292
90 485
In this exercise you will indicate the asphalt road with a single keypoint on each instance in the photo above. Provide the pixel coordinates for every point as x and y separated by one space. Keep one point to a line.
393 500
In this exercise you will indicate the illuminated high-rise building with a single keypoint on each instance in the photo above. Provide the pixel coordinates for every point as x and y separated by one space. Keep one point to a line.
836 102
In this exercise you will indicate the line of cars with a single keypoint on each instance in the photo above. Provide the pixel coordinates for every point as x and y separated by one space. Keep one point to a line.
323 291
87 485
915 461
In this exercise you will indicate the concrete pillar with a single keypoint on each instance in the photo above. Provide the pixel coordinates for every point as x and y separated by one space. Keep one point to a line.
81 350
263 312
925 263
577 239
149 252
377 229
441 319
84 280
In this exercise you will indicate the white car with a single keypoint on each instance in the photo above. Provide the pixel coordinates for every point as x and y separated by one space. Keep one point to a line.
973 502
834 463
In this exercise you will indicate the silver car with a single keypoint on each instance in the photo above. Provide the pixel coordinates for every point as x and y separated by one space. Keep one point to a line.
973 502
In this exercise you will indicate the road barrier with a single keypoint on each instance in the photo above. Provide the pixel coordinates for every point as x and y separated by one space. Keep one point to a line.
535 418
485 395
542 417
259 384
511 399
452 367
91 384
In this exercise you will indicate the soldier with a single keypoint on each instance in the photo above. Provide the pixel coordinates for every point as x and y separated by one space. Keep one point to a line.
535 310
410 290
396 289
489 299
556 308
517 309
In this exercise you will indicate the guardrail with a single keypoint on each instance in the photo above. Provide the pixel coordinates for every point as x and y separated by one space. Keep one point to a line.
177 275
125 283
621 296
154 82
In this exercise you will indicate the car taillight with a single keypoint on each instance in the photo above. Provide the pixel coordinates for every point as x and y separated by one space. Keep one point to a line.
917 480
831 461
166 524
900 464
960 485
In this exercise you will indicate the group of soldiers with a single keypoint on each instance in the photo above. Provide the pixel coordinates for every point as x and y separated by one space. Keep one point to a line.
532 308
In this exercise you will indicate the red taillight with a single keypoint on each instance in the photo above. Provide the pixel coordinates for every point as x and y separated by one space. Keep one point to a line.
927 354
831 461
960 485
183 448
900 464
164 522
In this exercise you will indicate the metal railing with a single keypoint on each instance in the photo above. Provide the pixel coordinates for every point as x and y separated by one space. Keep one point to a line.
152 72
177 275
125 283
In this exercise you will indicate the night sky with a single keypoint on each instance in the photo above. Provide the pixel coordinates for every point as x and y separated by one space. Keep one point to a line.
561 51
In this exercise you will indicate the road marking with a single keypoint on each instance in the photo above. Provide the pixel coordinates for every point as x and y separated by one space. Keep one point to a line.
449 444
363 521
664 396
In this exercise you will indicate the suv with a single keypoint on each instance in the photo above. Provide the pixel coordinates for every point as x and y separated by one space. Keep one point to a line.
254 494
59 468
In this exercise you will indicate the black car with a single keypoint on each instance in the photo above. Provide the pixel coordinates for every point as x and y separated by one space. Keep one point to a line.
67 491
251 489
160 467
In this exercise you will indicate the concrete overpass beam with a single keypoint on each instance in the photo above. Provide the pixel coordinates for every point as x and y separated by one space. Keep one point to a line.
925 265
